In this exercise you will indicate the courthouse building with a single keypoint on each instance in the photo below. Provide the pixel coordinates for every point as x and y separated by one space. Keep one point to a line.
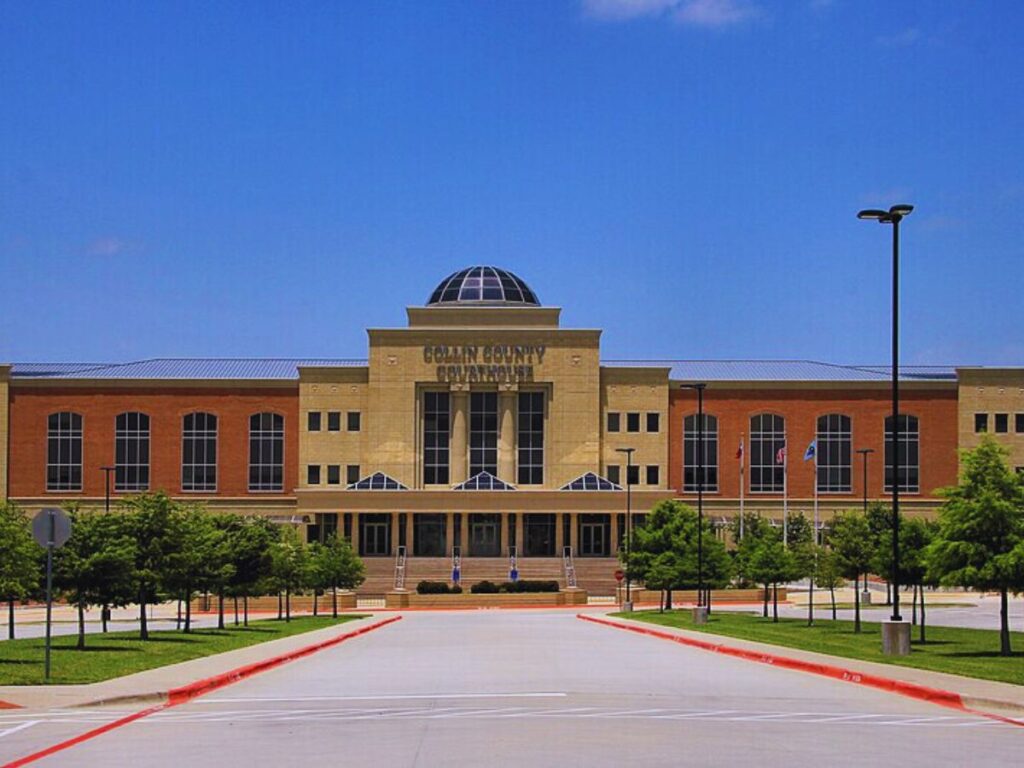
483 429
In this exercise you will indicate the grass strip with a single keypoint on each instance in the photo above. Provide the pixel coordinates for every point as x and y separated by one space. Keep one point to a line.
122 653
954 650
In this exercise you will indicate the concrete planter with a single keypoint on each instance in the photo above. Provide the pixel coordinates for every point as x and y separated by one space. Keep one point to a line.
652 596
498 600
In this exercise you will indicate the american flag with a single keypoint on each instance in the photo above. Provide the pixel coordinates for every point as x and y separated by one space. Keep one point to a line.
739 451
780 455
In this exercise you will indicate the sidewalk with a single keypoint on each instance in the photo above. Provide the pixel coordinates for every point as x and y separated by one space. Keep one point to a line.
155 684
989 696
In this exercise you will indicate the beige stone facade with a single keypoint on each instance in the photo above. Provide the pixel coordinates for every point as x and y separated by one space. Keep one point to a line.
995 395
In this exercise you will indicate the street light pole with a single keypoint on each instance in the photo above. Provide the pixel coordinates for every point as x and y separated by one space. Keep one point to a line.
894 216
864 452
629 519
700 489
106 502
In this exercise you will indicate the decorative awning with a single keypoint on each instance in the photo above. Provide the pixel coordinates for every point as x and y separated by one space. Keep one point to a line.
484 481
378 481
591 482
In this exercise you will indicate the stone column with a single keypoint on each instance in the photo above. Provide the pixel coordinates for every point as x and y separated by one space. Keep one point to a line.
574 534
394 533
458 453
449 534
507 436
409 531
464 538
559 528
355 532
615 534
520 542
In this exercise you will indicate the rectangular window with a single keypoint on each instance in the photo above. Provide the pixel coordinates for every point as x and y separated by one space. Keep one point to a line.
1018 423
313 474
333 474
352 474
131 452
613 472
834 453
981 422
767 453
632 422
613 422
354 421
653 422
436 437
1002 423
334 421
633 474
313 421
483 433
691 453
909 454
199 452
266 452
531 438
652 474
64 452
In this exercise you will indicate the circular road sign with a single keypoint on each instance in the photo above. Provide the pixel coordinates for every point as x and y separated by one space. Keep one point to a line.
619 575
51 526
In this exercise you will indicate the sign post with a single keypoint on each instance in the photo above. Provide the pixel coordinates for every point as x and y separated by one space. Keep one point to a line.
51 528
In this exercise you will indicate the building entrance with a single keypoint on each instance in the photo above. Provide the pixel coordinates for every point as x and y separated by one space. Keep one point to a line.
539 535
375 535
484 535
429 535
594 538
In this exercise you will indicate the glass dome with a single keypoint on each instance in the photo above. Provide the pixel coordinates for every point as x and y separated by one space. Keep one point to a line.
483 285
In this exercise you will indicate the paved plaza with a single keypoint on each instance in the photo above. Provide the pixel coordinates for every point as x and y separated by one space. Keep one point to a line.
522 688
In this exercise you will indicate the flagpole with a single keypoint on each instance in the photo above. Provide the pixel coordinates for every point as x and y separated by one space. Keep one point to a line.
810 619
743 461
785 494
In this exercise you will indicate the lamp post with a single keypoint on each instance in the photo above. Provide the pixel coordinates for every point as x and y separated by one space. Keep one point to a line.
865 452
106 501
629 520
700 489
894 216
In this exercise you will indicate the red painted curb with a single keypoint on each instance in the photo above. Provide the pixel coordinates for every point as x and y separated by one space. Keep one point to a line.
9 705
937 696
188 692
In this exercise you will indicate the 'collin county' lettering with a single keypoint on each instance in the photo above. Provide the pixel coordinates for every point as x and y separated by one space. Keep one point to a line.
485 363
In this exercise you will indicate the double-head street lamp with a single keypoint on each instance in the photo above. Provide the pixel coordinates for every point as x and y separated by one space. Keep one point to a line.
629 513
894 216
700 488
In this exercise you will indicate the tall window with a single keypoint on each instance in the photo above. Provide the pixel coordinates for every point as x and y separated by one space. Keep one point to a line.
834 453
131 452
64 452
483 432
199 452
436 435
767 438
266 452
691 454
531 438
909 454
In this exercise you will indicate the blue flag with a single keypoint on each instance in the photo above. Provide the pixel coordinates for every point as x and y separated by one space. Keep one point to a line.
809 453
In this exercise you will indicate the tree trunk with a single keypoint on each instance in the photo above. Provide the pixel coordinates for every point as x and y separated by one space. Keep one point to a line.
856 602
188 610
832 591
280 607
668 599
810 603
177 623
661 601
245 609
288 604
775 603
235 598
913 605
103 616
220 609
921 626
143 628
10 618
334 601
314 603
81 627
707 599
1004 624
764 609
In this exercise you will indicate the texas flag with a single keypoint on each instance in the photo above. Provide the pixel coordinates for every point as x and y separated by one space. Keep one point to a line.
811 449
739 451
780 456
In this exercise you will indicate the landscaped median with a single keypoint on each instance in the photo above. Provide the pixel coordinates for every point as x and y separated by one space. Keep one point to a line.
122 653
952 650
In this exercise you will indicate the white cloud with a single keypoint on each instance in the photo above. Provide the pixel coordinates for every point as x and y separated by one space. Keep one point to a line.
106 246
698 13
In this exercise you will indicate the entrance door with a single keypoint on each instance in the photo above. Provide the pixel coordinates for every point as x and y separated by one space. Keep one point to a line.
428 535
484 535
374 536
594 535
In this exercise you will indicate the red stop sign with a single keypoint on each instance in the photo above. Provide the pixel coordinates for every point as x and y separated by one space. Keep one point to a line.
619 575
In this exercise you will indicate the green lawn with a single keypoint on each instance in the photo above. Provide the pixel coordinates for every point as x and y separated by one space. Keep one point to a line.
969 652
122 653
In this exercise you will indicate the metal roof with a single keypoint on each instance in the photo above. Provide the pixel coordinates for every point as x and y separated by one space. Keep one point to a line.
258 369
784 370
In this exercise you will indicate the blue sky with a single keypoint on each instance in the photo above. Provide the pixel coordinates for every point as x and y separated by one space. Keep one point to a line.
256 179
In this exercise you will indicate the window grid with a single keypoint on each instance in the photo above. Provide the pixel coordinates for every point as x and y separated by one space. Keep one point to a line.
653 474
483 433
199 452
354 421
266 452
131 452
436 437
632 422
614 424
980 422
653 422
767 438
1002 423
64 452
834 453
531 438
909 458
334 421
691 459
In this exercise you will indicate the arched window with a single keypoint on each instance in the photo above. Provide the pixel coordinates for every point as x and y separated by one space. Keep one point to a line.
199 452
834 453
266 452
909 454
131 452
64 451
767 439
691 455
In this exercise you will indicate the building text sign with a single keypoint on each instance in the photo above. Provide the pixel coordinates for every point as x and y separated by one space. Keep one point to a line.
484 362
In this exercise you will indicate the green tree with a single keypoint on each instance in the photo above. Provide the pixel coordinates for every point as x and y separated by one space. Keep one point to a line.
771 562
152 519
827 574
980 539
95 566
19 559
916 534
341 568
879 520
754 527
250 547
289 563
854 547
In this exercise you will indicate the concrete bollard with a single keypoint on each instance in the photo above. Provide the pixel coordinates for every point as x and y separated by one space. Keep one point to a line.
895 638
700 614
865 597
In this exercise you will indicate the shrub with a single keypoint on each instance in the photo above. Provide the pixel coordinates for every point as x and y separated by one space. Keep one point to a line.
529 586
436 588
484 588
